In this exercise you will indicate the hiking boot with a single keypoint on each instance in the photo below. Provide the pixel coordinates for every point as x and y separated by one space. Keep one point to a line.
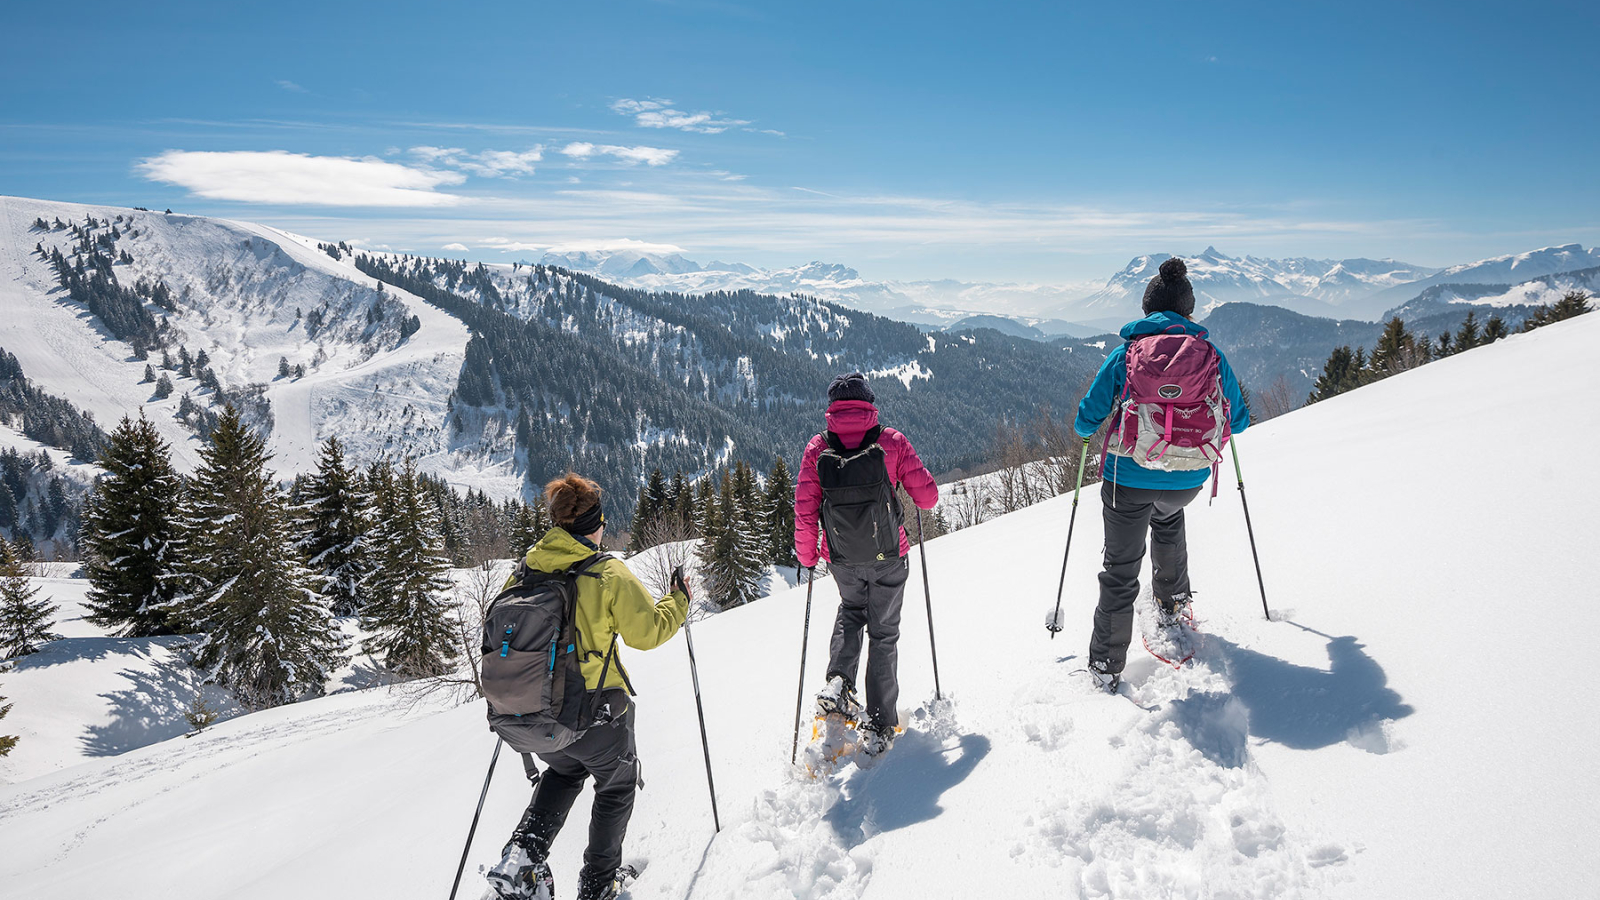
1173 612
605 887
519 876
839 699
877 739
1105 681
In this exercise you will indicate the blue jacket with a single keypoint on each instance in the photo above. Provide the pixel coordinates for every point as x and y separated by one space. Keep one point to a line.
1107 387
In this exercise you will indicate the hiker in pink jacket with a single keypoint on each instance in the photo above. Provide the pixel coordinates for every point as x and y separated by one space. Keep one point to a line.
847 486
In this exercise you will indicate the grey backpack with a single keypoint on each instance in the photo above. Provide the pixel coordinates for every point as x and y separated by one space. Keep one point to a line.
533 662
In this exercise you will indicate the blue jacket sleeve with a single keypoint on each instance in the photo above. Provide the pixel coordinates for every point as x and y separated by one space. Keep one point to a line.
1230 389
1102 394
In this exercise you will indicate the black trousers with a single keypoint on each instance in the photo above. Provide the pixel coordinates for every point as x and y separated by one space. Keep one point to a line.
1135 512
870 597
608 753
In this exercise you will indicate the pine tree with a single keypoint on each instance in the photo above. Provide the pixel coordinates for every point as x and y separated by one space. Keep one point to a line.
1494 329
1337 374
336 527
270 636
525 530
1396 351
1468 337
409 608
648 512
1573 303
780 515
128 534
6 741
24 622
731 560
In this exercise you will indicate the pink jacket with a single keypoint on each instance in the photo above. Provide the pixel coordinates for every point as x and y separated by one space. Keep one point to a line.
851 420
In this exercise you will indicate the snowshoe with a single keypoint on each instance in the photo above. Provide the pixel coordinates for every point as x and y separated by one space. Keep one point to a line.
624 876
839 699
1168 629
518 876
834 741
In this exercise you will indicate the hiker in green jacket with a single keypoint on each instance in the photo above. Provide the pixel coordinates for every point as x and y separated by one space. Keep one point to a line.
612 602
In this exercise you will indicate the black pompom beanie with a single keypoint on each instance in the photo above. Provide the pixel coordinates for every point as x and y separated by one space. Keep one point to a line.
1170 291
851 387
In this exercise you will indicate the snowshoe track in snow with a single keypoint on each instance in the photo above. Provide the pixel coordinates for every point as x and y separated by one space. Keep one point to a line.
1171 805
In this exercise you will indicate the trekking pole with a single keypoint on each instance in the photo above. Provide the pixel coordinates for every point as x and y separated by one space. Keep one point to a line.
922 542
694 673
473 830
1054 625
1250 531
805 638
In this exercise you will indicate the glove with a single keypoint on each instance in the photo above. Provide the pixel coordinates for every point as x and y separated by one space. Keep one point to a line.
679 583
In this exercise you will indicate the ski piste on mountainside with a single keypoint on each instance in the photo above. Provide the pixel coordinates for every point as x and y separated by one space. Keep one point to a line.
1267 767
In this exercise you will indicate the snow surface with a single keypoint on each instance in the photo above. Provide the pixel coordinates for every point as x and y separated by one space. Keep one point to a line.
1387 734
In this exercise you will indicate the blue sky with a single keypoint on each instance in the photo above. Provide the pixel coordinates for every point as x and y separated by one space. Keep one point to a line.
998 142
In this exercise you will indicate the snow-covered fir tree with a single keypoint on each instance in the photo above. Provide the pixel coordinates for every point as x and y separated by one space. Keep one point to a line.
528 525
780 515
24 621
128 534
408 610
732 554
7 741
270 636
335 516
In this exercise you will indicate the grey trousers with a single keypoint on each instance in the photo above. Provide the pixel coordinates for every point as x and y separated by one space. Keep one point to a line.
606 752
870 597
1137 511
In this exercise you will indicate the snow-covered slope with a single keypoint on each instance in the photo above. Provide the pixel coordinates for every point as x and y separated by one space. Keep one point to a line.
1406 726
1512 269
244 294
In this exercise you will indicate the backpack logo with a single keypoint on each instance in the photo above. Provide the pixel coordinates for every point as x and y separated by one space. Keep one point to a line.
1170 391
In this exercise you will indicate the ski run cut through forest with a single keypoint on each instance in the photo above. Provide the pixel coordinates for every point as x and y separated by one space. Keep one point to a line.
1402 726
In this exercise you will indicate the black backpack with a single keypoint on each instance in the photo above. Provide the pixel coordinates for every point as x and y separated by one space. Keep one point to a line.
532 662
860 513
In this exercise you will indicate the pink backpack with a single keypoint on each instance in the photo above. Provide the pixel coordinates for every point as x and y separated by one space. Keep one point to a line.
1172 414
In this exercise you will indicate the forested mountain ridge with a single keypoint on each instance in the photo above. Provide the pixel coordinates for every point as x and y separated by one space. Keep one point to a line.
564 368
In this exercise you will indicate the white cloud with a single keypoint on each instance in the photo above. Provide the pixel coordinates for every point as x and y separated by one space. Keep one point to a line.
291 86
457 248
278 176
487 164
661 114
650 156
614 246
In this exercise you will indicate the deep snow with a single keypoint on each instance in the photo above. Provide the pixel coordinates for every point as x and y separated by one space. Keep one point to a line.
1404 727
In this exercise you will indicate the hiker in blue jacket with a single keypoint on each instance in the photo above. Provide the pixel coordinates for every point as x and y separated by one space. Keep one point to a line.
1135 498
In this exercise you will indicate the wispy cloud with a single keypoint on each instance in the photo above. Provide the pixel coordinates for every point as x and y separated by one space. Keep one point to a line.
486 163
656 113
650 156
457 248
291 87
281 177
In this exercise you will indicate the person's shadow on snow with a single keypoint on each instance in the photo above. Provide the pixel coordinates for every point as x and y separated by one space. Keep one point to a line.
1297 706
905 787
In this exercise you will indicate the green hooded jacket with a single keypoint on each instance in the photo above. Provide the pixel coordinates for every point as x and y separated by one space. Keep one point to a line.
615 603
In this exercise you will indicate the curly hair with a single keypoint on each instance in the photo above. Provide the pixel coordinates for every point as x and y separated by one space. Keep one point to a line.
570 496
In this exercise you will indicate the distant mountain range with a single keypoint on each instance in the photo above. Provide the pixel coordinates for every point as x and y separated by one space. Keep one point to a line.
1356 289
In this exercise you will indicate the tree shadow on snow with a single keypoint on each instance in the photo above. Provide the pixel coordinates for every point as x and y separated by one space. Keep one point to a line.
905 787
1300 707
150 710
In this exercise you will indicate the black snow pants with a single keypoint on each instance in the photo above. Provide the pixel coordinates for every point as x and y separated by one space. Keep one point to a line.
608 753
1134 512
870 597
